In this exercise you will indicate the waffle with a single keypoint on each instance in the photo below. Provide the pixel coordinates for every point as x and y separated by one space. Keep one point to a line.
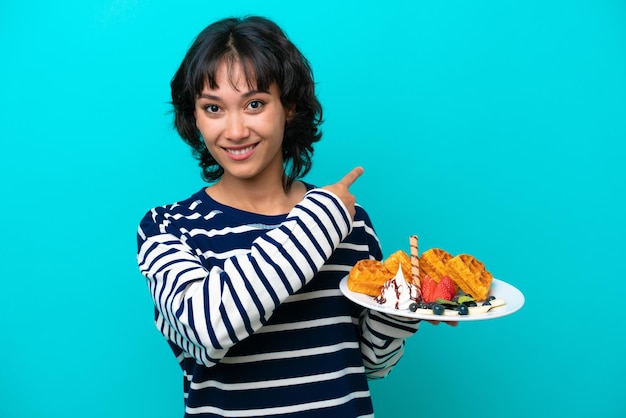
432 262
399 258
470 275
368 276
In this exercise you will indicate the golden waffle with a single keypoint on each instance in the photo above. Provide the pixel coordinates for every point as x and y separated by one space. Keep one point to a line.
470 275
368 276
399 258
432 262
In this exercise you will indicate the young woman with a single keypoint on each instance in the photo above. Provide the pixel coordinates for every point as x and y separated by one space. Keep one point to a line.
244 274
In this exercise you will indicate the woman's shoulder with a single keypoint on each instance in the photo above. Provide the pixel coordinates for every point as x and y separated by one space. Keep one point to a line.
189 207
188 203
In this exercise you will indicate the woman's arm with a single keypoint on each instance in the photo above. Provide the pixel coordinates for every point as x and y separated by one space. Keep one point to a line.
206 312
382 341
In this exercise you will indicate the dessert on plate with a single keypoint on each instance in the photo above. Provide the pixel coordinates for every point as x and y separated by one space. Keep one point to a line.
435 282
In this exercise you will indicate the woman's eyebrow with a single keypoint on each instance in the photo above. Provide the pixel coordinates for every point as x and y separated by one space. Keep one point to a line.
253 92
245 95
208 96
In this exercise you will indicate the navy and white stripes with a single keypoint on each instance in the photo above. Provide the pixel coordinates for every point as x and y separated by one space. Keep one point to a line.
251 307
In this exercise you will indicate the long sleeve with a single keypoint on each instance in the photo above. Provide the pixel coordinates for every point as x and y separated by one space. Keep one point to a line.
382 341
206 311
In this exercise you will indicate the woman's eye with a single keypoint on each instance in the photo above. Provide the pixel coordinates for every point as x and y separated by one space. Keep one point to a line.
255 104
212 108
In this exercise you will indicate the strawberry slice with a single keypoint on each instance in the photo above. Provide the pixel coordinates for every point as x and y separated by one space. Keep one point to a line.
428 289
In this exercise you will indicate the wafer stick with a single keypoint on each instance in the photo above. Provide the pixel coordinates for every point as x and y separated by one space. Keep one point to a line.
415 263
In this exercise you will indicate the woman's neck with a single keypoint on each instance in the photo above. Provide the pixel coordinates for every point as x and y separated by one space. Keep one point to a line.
264 198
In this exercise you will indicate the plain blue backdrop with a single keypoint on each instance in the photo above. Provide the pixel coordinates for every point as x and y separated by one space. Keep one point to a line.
490 127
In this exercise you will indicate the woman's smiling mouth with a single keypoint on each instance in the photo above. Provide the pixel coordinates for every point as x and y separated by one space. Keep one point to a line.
240 153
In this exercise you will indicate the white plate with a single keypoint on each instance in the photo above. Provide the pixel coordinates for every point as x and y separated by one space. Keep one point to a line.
512 296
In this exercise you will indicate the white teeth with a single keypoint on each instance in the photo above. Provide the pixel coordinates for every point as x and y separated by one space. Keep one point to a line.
239 151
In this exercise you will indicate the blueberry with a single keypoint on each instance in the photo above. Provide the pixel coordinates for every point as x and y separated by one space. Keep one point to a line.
438 309
463 310
413 307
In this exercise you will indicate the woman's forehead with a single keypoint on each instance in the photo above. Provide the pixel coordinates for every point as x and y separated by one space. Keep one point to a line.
240 74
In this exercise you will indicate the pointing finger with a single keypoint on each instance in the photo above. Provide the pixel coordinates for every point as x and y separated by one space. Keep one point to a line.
349 179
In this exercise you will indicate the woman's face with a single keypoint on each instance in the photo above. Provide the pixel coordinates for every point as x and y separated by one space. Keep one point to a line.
243 128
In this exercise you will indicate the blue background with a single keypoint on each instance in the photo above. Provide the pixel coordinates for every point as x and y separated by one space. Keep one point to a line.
490 127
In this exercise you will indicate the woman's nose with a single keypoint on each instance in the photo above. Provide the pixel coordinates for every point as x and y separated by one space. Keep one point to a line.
236 127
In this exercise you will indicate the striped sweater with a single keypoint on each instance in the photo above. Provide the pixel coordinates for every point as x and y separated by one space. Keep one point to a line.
251 308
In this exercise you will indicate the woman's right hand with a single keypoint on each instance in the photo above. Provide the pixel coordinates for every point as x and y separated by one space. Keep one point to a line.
341 189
